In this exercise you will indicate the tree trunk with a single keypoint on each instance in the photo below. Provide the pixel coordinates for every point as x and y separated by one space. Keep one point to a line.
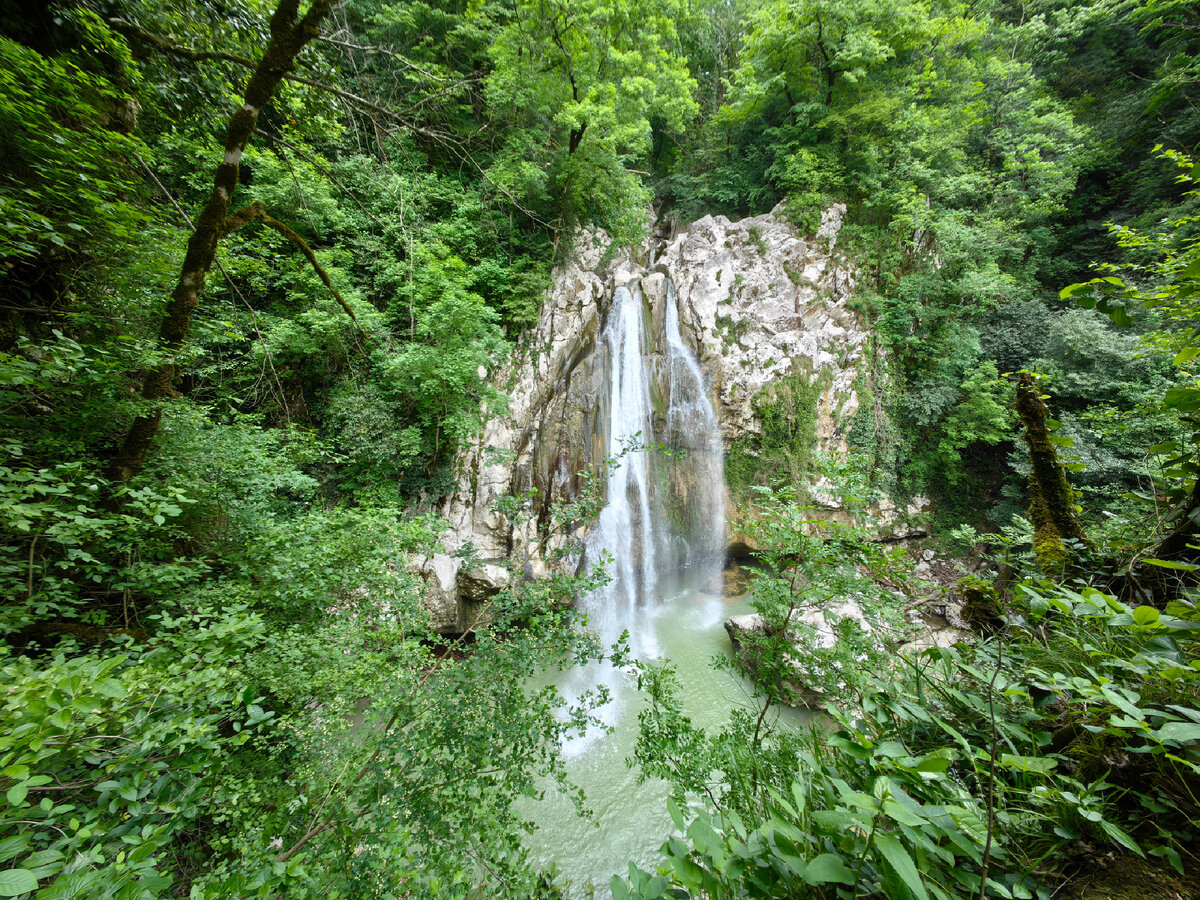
1051 500
290 33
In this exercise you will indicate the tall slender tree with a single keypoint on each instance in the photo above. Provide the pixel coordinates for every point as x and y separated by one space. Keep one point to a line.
290 32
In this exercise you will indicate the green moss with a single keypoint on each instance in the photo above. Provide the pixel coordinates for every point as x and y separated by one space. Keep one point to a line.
756 239
870 431
1052 507
780 455
731 329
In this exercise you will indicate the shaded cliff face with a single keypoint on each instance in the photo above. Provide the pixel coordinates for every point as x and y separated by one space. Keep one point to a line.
756 302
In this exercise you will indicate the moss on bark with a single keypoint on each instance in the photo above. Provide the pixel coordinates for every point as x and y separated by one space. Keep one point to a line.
1051 500
290 33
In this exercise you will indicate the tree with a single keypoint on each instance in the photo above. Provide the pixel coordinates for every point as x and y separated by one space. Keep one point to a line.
290 33
586 82
1165 280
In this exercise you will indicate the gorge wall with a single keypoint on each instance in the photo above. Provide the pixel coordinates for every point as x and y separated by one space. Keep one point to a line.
759 305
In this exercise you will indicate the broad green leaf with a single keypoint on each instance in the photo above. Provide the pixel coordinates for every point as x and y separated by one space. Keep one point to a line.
676 815
1121 837
1187 354
1145 615
15 882
826 868
933 764
903 814
896 856
1040 764
1171 564
1185 399
11 846
1178 731
110 687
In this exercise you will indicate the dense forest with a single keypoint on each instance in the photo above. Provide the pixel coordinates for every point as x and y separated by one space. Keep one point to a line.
259 263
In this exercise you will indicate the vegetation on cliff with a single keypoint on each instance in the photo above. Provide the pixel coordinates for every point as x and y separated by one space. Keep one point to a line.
258 262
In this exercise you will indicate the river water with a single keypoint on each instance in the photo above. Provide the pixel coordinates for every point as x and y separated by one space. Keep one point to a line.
630 820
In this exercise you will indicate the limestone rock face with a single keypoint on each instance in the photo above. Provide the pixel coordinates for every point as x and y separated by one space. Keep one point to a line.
757 301
760 302
440 576
548 434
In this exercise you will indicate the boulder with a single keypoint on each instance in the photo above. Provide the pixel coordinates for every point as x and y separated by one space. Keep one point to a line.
440 576
736 580
478 583
823 624
933 637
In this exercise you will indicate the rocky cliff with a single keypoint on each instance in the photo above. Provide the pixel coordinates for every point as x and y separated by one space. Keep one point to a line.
762 306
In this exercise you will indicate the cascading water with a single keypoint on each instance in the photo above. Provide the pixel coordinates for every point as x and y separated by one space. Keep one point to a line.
665 511
693 435
627 525
663 526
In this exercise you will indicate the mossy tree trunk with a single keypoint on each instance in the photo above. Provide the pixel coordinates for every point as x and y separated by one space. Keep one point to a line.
290 33
1051 500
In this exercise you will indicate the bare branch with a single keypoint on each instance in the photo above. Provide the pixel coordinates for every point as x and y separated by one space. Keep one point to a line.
255 213
392 54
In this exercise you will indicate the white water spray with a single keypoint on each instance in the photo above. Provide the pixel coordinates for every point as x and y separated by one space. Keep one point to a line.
663 526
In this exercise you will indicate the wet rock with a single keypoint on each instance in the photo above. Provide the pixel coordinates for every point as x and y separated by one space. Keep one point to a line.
440 576
933 637
823 625
480 582
736 580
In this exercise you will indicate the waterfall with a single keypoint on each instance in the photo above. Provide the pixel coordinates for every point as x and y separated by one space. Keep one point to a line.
627 525
693 432
663 525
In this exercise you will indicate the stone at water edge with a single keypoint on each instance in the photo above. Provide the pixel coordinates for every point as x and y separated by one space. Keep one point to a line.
736 580
823 622
440 576
479 582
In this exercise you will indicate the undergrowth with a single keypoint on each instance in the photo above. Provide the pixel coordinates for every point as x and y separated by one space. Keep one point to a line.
996 768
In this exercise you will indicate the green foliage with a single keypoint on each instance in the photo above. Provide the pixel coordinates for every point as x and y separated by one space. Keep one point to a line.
1167 285
436 384
786 411
66 183
582 83
221 678
108 758
1079 722
984 415
954 160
